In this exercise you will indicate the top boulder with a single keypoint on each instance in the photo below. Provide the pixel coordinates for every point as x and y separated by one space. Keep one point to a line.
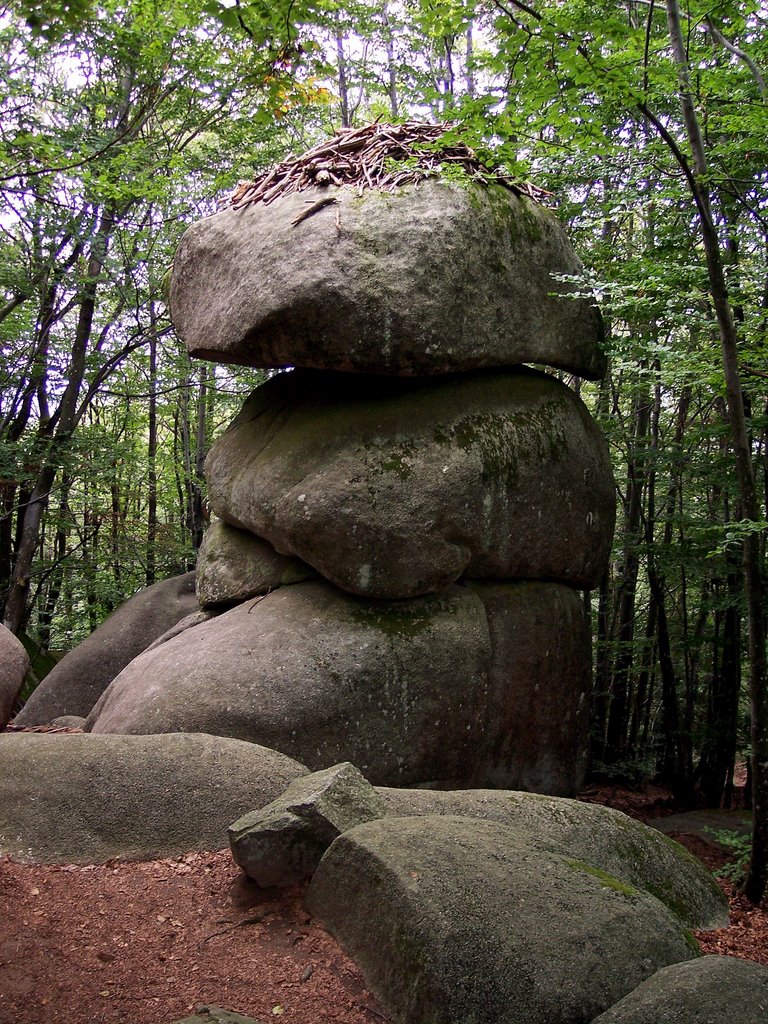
433 277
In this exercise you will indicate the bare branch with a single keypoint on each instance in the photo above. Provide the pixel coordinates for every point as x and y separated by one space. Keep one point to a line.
718 36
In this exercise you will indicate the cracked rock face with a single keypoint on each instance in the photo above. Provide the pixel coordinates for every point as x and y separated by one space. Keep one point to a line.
395 488
434 279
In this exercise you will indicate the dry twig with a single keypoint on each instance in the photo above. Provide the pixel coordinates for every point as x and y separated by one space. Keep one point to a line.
381 156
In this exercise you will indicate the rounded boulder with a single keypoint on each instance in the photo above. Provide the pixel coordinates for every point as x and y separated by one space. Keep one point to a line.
82 675
233 565
446 688
14 664
454 919
433 279
395 488
83 799
712 990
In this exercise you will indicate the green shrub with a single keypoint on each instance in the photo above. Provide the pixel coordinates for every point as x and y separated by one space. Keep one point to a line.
740 846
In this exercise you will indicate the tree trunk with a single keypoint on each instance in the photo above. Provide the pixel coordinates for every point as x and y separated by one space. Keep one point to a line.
757 876
341 69
389 38
619 712
152 454
470 67
718 751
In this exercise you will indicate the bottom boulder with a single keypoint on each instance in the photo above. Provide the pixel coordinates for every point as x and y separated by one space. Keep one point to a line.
484 684
83 799
455 919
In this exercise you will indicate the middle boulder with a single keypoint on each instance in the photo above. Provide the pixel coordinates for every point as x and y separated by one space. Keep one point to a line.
395 488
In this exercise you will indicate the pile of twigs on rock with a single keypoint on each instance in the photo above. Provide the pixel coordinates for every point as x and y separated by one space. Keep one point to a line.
382 156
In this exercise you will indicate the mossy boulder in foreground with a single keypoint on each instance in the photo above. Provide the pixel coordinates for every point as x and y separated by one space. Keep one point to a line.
83 799
717 989
455 919
601 836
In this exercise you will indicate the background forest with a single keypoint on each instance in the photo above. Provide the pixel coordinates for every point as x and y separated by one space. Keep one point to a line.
123 123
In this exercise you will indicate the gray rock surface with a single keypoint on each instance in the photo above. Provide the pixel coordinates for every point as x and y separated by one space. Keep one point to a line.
454 919
215 1015
611 841
712 990
540 678
410 692
84 799
82 675
69 722
434 279
282 843
14 663
188 622
233 565
395 488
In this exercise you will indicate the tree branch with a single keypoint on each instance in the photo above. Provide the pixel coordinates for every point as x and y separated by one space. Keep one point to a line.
718 36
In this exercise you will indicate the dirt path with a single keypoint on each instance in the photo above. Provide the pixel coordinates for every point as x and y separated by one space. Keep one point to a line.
149 942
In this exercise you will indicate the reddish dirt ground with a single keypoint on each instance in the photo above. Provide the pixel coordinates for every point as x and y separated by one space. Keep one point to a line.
747 932
149 942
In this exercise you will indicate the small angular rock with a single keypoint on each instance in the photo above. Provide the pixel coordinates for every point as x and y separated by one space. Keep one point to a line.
69 722
215 1015
282 843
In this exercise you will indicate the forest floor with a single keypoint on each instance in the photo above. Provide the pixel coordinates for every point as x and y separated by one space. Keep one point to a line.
149 942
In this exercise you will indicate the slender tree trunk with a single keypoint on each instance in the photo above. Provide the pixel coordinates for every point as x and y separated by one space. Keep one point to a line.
152 454
341 70
618 717
642 691
718 752
757 876
389 38
56 579
469 77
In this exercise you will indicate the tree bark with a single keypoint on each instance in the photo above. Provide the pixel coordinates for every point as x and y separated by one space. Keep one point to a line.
619 711
757 875
152 454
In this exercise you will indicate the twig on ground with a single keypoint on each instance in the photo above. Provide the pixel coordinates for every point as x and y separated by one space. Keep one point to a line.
238 924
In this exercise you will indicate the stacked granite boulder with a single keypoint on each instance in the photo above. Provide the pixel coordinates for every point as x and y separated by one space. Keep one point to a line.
409 517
